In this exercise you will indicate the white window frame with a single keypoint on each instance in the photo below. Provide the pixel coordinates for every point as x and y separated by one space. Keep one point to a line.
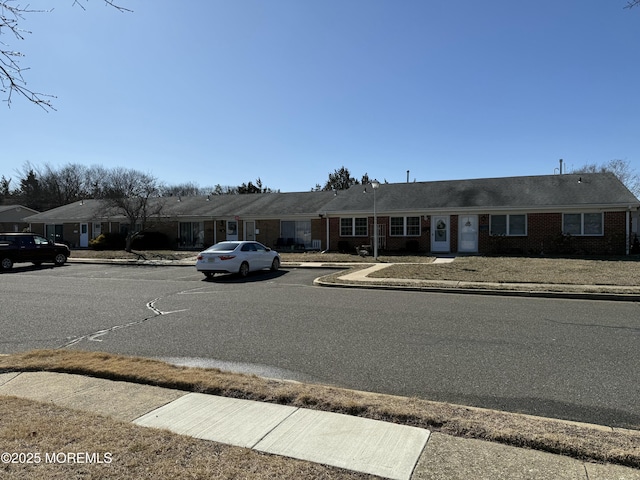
405 227
508 224
582 233
353 227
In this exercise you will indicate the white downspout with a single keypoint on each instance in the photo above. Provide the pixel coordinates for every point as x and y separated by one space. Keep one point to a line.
628 216
327 249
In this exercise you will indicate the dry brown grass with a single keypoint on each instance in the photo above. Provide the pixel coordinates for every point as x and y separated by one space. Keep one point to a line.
286 257
580 441
135 255
130 451
567 271
618 271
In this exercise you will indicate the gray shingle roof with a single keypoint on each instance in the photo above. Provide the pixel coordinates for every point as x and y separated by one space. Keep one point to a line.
260 205
80 211
526 193
15 213
546 192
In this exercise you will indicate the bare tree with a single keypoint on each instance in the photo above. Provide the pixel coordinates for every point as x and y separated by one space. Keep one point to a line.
620 168
184 190
12 80
94 181
134 195
63 185
108 2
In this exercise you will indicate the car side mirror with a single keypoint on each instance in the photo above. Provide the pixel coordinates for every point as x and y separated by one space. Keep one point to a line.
268 249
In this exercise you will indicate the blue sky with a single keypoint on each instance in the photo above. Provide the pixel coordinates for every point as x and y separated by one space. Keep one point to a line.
223 92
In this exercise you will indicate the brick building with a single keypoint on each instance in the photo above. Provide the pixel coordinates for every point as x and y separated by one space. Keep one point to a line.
565 214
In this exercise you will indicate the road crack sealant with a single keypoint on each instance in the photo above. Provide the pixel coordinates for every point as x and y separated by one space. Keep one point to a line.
96 336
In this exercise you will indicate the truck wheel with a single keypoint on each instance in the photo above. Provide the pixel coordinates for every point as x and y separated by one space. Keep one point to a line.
60 259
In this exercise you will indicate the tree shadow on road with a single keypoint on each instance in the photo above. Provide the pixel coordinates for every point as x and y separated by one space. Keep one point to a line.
252 277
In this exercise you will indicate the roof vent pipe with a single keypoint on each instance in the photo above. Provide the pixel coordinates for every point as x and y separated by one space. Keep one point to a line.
407 176
560 166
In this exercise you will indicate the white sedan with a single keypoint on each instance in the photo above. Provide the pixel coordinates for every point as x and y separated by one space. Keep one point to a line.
237 257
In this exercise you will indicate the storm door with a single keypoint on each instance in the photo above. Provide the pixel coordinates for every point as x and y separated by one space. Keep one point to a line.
440 233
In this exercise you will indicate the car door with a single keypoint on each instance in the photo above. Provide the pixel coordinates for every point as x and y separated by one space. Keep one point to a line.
44 250
264 256
27 250
250 254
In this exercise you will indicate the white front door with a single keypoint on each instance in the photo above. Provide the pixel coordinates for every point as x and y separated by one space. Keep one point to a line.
84 235
250 231
468 228
440 233
232 230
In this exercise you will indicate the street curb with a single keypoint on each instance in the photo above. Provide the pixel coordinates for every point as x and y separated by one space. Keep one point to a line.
135 263
617 297
484 291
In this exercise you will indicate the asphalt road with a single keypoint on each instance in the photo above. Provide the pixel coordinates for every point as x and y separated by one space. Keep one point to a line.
570 359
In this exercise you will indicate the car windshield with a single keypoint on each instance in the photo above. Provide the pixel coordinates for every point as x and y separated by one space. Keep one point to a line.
223 247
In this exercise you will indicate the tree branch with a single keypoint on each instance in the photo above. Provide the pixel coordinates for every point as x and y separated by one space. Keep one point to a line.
107 2
11 72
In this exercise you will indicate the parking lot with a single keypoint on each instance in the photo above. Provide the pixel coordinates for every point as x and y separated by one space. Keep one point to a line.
562 358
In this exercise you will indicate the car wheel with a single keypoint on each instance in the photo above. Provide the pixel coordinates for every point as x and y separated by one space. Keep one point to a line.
244 269
7 263
209 274
60 259
275 265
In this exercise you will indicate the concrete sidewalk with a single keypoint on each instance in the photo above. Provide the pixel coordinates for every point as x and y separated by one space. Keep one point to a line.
354 443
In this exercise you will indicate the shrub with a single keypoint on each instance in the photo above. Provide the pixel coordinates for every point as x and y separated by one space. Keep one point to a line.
345 247
108 241
412 246
635 245
563 243
150 241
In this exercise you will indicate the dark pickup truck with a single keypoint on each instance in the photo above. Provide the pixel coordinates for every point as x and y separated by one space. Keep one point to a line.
29 247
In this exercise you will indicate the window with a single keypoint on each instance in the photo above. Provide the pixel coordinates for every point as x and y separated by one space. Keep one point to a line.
40 240
353 227
397 226
510 225
583 223
191 235
405 226
346 227
296 232
360 227
413 226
